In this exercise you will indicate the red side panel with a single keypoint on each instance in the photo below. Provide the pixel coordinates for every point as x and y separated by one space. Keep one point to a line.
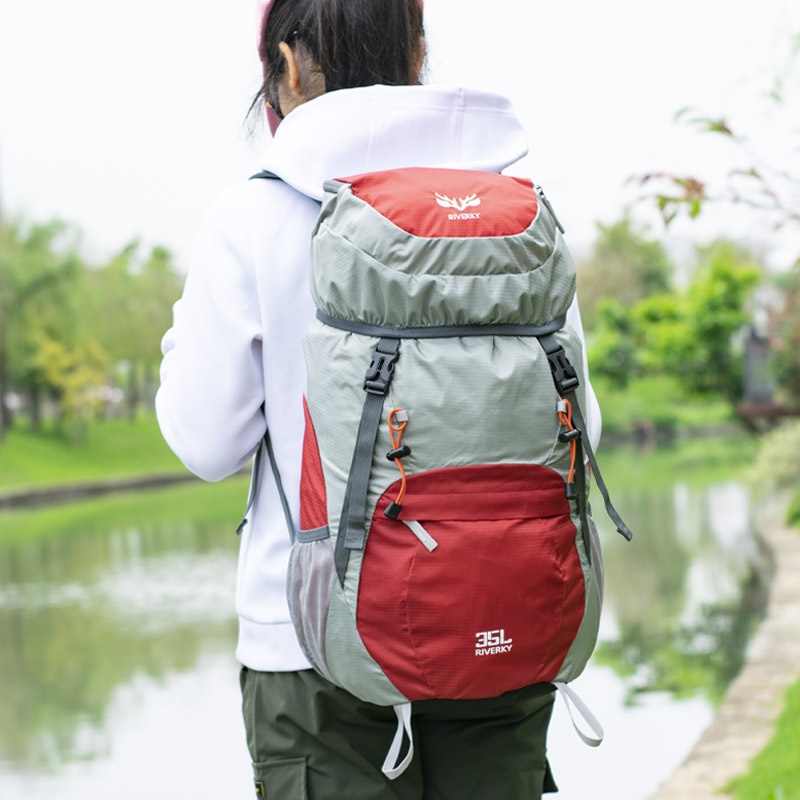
498 603
448 202
313 500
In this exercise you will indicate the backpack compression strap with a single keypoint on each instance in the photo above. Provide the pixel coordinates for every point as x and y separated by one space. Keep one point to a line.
566 381
352 524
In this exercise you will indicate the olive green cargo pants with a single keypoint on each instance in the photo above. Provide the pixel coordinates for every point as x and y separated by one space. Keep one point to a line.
310 740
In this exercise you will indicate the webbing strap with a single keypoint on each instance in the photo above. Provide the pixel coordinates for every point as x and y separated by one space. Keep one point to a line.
569 695
419 531
265 173
580 423
566 382
266 447
440 331
391 768
352 523
583 511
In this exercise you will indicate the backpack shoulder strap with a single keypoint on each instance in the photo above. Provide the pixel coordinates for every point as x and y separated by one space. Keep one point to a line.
265 448
265 173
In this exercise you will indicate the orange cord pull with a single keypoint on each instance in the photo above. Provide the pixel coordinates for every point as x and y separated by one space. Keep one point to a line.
398 419
571 435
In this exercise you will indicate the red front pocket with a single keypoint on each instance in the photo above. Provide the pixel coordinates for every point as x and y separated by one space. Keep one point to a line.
495 605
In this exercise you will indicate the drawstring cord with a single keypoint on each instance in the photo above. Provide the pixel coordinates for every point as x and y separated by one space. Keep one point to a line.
397 420
571 434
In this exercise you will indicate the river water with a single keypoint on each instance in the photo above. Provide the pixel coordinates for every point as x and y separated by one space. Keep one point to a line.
117 636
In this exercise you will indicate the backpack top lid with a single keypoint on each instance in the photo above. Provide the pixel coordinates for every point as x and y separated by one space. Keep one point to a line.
431 247
436 203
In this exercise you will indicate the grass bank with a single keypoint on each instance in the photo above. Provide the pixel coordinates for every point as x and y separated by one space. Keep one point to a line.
702 460
195 503
775 773
659 401
113 448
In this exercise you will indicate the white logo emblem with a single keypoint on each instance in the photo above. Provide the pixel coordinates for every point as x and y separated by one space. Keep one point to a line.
490 643
460 204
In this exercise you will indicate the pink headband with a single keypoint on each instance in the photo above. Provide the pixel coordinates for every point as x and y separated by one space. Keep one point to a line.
263 7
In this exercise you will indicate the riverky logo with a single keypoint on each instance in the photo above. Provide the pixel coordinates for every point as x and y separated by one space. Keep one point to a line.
492 643
460 204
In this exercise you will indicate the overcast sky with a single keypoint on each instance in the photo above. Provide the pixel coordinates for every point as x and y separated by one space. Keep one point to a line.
128 119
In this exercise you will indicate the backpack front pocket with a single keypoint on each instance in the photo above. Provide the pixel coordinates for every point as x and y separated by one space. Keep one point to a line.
477 587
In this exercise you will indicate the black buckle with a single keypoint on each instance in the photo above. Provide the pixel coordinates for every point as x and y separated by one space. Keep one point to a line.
564 375
379 374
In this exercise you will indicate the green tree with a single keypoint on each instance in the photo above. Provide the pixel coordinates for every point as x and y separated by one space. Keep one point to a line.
72 375
67 329
760 180
690 334
625 265
38 263
128 304
697 338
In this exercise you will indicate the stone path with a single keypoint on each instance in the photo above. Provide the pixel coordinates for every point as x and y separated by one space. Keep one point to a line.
745 721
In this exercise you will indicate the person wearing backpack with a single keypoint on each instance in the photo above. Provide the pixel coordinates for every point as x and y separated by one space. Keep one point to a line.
343 96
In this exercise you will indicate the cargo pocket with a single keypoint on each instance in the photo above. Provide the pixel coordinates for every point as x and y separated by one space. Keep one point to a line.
477 588
281 779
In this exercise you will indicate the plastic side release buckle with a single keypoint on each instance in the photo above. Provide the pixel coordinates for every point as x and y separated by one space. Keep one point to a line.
379 373
564 375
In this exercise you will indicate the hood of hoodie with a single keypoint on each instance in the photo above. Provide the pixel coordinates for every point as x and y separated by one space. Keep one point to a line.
351 131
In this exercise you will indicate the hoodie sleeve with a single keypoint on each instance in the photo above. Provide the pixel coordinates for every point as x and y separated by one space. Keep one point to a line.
210 402
594 421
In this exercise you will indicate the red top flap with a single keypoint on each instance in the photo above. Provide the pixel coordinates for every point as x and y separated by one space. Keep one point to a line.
435 203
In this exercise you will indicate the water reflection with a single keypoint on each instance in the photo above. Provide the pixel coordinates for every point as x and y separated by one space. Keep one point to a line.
118 633
686 599
680 605
87 611
174 736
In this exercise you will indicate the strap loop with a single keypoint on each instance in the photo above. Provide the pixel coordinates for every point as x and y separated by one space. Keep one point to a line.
569 695
391 768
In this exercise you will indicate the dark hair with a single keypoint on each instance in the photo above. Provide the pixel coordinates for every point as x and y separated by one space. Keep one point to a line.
354 42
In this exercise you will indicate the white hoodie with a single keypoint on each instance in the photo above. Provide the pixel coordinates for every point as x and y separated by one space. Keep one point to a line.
233 360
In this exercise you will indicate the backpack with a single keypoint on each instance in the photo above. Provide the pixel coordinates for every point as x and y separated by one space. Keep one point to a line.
446 547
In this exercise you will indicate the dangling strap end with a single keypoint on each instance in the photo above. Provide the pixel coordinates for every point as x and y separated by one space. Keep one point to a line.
625 531
568 695
392 766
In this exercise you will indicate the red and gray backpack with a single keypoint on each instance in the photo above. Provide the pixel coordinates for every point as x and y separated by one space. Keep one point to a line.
446 548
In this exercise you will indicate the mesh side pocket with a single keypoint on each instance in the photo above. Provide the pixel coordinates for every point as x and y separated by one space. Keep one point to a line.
309 583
